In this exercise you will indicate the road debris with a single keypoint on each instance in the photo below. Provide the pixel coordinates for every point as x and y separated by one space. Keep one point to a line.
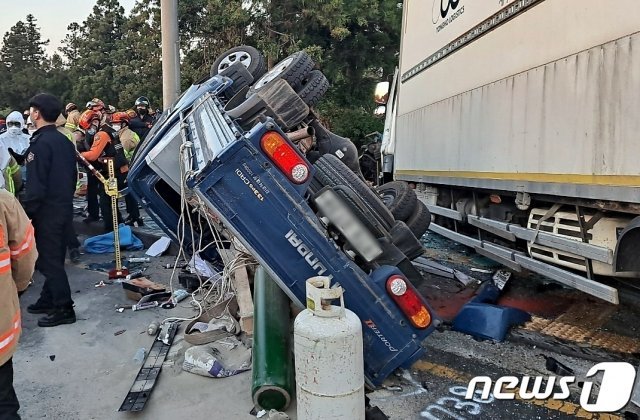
147 376
500 278
482 319
152 329
159 247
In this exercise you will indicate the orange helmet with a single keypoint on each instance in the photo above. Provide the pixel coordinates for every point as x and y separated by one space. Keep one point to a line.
131 113
87 117
120 117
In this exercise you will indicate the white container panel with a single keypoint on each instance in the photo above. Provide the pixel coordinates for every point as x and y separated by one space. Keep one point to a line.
549 31
574 116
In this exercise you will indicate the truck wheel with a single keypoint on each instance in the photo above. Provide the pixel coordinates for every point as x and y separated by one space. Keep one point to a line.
399 198
313 88
420 220
331 172
240 76
293 69
250 57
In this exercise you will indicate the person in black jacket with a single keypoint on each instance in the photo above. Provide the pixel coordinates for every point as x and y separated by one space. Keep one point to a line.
51 183
142 123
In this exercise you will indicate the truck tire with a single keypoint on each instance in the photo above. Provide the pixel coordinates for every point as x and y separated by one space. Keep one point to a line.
313 88
293 69
240 76
331 172
420 220
400 199
250 57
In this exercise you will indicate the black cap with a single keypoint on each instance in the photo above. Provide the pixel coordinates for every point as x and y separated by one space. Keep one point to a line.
48 105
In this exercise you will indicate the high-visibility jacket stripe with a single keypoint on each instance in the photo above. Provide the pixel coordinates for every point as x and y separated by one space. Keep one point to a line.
7 339
26 245
5 262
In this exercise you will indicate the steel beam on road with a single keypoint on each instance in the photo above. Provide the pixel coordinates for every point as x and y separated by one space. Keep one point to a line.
170 52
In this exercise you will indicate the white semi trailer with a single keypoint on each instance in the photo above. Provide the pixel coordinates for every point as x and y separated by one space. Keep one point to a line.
519 123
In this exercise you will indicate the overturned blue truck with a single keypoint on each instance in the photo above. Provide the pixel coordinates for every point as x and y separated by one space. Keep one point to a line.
245 148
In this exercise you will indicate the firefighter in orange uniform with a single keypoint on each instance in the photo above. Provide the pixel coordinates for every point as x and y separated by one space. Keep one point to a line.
17 260
105 145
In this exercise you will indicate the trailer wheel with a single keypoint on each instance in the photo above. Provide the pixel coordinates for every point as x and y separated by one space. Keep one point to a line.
331 172
420 220
399 198
248 56
293 69
313 88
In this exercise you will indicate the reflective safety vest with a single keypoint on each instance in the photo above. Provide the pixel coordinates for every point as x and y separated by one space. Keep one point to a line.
72 120
17 260
129 140
63 129
10 180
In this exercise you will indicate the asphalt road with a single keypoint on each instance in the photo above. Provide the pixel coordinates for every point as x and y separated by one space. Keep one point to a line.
92 368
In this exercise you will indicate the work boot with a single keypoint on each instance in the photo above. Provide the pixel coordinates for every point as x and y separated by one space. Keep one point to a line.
74 255
134 222
58 316
40 307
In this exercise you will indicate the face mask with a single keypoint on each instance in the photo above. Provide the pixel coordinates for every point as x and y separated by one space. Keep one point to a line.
116 127
14 131
143 111
91 131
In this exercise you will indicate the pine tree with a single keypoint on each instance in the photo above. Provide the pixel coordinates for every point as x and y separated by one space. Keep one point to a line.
93 47
23 57
139 70
208 28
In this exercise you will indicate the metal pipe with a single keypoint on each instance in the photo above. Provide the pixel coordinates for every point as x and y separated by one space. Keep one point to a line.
170 52
272 368
303 133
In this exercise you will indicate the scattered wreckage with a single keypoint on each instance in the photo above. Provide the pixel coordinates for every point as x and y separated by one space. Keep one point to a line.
242 157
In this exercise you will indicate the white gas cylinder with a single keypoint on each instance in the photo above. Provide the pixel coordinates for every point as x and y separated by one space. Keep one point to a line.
328 357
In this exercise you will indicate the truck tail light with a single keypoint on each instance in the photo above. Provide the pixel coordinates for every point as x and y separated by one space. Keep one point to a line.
410 302
285 157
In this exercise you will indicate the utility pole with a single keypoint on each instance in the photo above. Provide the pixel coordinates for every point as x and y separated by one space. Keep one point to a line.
170 52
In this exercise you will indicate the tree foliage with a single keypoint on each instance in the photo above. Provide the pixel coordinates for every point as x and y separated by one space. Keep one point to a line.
24 63
117 57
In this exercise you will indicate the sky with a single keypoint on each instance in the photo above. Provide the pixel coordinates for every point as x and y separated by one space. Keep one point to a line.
53 16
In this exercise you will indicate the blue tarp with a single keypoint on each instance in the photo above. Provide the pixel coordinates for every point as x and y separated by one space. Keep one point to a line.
103 244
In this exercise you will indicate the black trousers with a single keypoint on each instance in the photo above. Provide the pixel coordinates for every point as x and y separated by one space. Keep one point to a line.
51 228
72 237
93 190
9 404
132 205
